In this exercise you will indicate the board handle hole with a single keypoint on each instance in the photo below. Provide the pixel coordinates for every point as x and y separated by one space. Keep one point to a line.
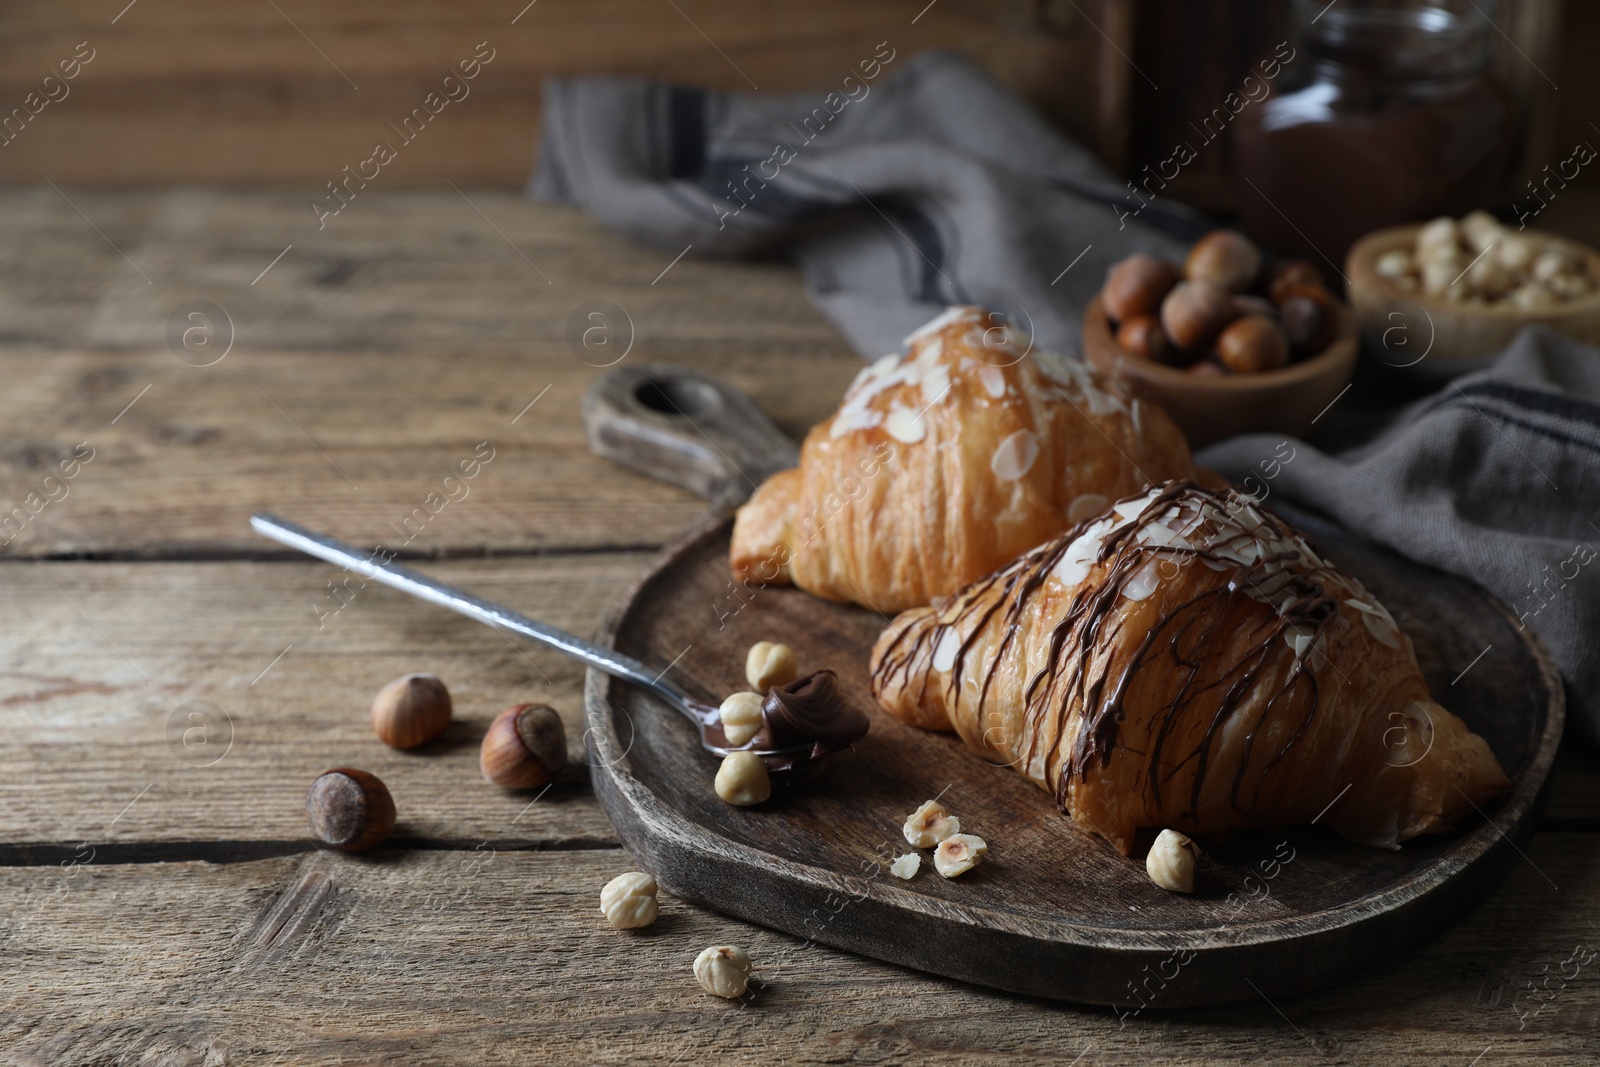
676 396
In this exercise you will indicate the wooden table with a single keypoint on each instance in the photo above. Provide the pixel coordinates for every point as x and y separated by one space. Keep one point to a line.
159 902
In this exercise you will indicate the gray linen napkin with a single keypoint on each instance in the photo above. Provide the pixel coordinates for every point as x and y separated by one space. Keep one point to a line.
1496 477
917 184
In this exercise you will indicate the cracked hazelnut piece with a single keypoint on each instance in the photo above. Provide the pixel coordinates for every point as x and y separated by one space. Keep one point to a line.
930 824
742 780
769 664
629 901
959 854
1171 862
723 971
906 866
741 717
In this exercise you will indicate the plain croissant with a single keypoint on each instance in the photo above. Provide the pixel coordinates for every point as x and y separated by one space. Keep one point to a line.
946 461
1188 661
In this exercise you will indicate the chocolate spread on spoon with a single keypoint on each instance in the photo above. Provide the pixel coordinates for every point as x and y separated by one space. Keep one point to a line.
811 709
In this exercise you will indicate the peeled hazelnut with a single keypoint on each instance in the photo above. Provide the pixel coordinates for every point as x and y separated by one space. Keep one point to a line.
723 971
629 901
906 867
959 854
1252 344
1194 313
1550 262
349 809
1137 285
1225 259
1532 296
741 717
742 780
1393 264
930 824
1515 252
526 747
1441 233
1171 862
1480 230
411 711
1142 336
768 664
1291 273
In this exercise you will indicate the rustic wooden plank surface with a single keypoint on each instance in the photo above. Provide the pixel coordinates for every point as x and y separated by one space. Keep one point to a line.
494 956
363 369
108 654
391 341
286 94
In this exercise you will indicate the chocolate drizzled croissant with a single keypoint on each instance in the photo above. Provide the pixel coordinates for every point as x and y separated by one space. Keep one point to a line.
1188 661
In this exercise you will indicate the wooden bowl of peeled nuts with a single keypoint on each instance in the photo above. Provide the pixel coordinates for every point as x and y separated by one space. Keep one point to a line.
1225 343
1445 296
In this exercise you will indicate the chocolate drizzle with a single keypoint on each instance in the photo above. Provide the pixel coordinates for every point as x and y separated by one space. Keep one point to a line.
1269 584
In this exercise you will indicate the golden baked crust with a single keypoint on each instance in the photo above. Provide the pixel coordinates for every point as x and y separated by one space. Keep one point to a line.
1188 661
944 463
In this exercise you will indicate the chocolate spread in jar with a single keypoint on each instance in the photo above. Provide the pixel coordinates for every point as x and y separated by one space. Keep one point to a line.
1394 120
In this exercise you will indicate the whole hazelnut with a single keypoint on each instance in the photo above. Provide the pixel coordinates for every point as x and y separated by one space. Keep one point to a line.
742 717
411 711
1245 304
1142 335
526 747
1194 313
1171 862
1251 344
1290 273
1311 316
629 901
1206 368
742 779
1137 285
768 664
723 971
349 809
1224 258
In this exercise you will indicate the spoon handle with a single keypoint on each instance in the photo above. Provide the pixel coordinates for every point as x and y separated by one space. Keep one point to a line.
407 580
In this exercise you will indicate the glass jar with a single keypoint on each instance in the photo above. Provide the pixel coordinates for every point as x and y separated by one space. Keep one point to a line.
1385 114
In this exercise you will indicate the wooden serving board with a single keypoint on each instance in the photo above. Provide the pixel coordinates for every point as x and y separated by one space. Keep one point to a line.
1051 912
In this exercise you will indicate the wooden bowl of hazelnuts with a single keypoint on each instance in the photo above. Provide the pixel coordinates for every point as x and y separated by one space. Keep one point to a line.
1224 345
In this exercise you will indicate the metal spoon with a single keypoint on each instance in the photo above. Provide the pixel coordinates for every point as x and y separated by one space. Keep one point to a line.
706 718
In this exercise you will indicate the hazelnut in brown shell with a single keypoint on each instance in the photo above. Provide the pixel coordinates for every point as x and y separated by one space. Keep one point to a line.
525 748
1136 286
1291 273
349 809
1224 258
1194 313
1310 316
1252 344
1142 336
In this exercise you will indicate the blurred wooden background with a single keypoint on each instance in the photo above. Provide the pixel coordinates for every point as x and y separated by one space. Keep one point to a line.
283 93
250 92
